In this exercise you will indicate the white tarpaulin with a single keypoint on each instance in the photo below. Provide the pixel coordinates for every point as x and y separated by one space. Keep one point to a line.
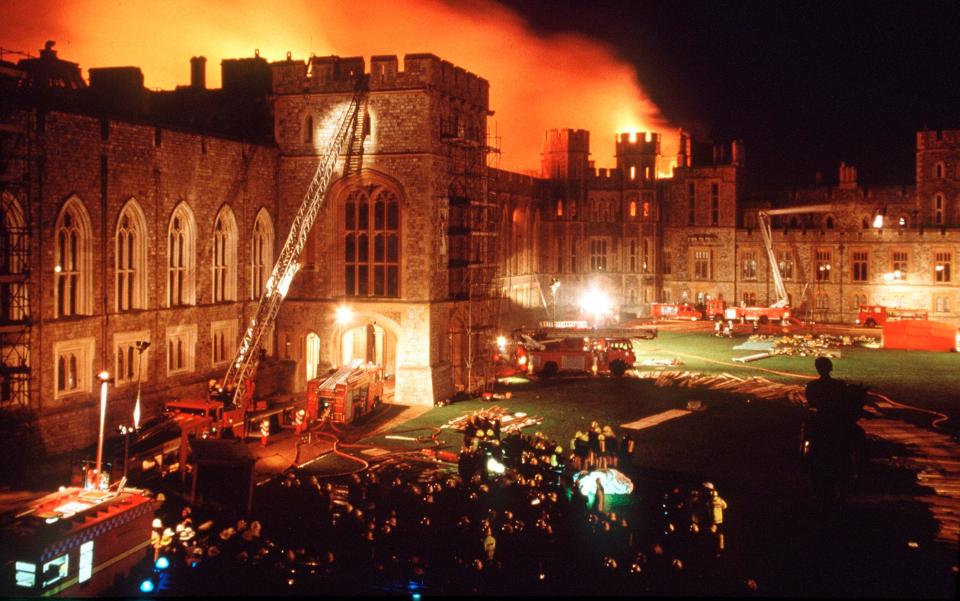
614 482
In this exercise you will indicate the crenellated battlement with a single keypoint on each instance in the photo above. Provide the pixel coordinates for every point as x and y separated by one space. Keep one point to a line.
638 143
341 74
936 139
566 140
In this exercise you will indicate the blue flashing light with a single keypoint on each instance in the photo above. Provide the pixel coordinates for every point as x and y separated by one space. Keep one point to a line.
162 563
146 586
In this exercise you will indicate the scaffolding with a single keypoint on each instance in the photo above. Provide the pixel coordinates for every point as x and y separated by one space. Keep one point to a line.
472 234
15 191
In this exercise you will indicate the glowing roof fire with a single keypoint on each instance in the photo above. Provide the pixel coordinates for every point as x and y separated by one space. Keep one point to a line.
536 82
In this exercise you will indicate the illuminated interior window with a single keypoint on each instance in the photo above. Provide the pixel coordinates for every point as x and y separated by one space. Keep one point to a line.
633 173
633 208
86 561
646 173
26 575
785 262
559 208
941 269
646 208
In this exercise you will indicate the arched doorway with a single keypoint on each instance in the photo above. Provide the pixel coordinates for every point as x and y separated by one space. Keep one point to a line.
370 342
312 355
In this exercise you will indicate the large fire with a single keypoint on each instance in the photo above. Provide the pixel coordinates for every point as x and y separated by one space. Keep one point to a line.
536 82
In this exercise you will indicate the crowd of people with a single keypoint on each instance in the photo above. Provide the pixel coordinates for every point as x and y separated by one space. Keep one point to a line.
516 524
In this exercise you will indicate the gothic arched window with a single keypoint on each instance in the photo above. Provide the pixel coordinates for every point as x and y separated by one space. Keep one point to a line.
181 258
131 240
73 264
224 263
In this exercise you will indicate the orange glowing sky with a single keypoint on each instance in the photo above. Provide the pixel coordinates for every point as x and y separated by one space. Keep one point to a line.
536 82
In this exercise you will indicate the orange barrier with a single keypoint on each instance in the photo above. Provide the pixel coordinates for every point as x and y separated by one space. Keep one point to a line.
921 335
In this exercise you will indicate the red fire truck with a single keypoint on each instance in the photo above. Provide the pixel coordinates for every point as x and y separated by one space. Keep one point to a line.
597 355
871 316
762 315
354 390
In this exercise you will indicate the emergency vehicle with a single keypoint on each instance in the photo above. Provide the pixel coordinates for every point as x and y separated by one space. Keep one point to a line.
675 311
871 316
585 355
354 390
762 315
75 542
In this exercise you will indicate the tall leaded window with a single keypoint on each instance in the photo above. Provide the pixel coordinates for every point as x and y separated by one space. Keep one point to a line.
372 242
900 264
634 254
131 258
860 261
691 203
645 257
701 264
823 266
261 256
748 265
598 254
73 264
941 269
224 257
667 262
785 263
181 258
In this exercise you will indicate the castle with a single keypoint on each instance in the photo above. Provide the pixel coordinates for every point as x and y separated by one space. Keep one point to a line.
134 216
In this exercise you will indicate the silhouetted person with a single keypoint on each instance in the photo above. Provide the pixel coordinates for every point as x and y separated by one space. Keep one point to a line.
830 437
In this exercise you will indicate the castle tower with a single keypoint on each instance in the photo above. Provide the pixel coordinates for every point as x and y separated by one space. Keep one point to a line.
565 154
637 154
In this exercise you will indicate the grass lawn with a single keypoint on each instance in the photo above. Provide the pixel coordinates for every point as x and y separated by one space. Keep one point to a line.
922 378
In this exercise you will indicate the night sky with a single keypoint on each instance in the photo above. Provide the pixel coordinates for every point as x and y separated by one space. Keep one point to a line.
805 85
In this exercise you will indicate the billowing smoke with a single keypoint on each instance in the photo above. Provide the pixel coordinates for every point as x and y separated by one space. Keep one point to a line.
536 82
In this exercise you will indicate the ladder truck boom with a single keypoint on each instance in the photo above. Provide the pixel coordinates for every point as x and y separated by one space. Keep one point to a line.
244 364
763 217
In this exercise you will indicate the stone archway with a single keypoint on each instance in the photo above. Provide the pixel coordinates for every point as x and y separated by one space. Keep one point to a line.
369 336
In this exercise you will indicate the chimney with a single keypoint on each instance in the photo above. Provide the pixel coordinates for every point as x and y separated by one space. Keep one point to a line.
198 72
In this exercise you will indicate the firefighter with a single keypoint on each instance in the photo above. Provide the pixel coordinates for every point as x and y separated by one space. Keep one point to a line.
264 431
601 498
299 421
717 506
716 327
489 544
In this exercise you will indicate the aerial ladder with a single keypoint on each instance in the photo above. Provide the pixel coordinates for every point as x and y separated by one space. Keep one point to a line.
238 383
779 309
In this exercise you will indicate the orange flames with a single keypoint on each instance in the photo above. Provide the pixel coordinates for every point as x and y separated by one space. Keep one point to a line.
536 82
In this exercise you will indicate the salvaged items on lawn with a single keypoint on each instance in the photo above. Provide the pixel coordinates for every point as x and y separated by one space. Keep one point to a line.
508 421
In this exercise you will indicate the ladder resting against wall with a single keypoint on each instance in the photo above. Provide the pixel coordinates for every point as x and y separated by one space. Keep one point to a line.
243 367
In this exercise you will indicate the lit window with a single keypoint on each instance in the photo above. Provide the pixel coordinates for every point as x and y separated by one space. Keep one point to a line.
823 266
633 208
899 263
633 173
748 265
941 269
86 561
26 574
785 263
559 208
646 208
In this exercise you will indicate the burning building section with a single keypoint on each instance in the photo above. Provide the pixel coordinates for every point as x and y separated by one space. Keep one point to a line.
134 216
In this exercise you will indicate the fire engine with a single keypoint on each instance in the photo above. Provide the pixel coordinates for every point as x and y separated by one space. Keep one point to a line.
352 391
585 355
871 316
231 401
674 311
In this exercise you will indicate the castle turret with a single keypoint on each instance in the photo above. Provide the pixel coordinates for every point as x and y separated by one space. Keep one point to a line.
565 154
637 154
